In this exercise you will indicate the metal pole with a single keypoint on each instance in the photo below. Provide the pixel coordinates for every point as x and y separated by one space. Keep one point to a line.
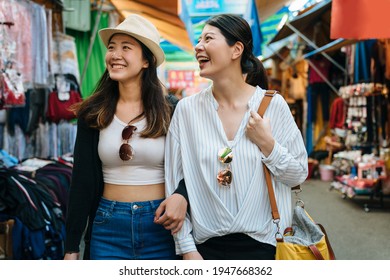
323 77
92 40
315 46
275 52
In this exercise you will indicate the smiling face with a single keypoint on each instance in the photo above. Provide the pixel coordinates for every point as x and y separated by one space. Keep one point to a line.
212 52
124 58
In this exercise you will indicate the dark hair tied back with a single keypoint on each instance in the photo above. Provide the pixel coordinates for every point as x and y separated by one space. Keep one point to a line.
257 76
236 29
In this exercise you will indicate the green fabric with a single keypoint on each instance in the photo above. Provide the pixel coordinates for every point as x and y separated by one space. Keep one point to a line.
96 65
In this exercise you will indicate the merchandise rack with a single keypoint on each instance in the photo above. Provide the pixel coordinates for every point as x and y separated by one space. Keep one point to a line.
351 187
362 135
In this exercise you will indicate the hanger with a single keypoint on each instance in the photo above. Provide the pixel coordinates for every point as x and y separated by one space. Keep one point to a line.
7 23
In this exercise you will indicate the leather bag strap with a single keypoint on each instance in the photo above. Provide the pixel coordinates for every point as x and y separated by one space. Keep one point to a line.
317 254
265 102
332 256
263 106
274 207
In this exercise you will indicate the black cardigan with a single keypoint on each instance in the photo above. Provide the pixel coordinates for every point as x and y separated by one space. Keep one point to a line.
87 187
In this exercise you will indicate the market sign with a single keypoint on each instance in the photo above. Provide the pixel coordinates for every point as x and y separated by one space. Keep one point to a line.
213 7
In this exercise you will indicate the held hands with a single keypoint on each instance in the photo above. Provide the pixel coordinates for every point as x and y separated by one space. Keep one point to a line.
259 132
171 213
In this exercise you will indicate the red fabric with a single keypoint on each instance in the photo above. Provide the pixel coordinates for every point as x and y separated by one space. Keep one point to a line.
337 114
59 110
323 65
9 96
356 183
363 19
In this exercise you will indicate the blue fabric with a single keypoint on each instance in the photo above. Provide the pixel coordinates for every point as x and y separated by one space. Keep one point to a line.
319 90
8 160
2 126
19 116
18 232
33 244
126 231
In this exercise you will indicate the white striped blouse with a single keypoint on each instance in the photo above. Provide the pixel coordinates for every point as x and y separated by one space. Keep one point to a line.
196 135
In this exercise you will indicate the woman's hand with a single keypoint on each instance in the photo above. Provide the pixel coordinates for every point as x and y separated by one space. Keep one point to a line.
259 132
192 256
171 213
72 256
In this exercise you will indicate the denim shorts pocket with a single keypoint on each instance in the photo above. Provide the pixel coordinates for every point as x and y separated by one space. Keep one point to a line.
101 217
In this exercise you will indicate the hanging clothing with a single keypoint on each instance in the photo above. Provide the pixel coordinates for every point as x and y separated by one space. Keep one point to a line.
387 55
64 60
337 114
319 87
319 90
323 65
378 62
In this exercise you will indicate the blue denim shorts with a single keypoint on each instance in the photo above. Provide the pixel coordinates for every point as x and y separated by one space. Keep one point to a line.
126 231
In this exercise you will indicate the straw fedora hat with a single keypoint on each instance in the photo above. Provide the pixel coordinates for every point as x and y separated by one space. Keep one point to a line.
139 28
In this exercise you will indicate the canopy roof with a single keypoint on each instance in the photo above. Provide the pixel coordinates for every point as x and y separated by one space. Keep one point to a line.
314 23
313 26
332 46
165 16
173 21
266 8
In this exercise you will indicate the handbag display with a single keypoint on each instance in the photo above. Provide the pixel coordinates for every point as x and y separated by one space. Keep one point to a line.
65 94
59 105
11 89
305 239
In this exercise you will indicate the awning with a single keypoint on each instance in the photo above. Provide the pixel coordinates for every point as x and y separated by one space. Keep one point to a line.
166 16
314 23
267 8
313 27
330 47
280 53
172 20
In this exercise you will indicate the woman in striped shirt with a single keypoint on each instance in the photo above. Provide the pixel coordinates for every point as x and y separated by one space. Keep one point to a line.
218 144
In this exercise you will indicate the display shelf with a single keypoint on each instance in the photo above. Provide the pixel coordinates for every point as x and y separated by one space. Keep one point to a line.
351 187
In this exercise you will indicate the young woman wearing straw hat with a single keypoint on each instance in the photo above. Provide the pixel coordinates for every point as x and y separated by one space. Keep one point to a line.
118 175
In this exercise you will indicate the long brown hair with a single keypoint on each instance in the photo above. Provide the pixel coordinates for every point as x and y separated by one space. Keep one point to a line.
98 110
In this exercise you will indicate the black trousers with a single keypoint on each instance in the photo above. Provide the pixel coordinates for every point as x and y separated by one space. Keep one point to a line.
236 246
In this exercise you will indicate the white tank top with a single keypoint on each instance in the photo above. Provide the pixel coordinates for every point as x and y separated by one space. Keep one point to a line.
147 165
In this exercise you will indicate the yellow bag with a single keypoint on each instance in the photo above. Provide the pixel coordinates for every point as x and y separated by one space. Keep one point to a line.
304 240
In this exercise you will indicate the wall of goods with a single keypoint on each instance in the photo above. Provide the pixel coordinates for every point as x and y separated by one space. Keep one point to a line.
346 128
360 165
39 79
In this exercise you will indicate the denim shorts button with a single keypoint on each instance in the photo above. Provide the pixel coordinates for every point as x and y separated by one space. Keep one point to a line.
135 206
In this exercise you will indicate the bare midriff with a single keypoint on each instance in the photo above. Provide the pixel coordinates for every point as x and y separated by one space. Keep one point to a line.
133 193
